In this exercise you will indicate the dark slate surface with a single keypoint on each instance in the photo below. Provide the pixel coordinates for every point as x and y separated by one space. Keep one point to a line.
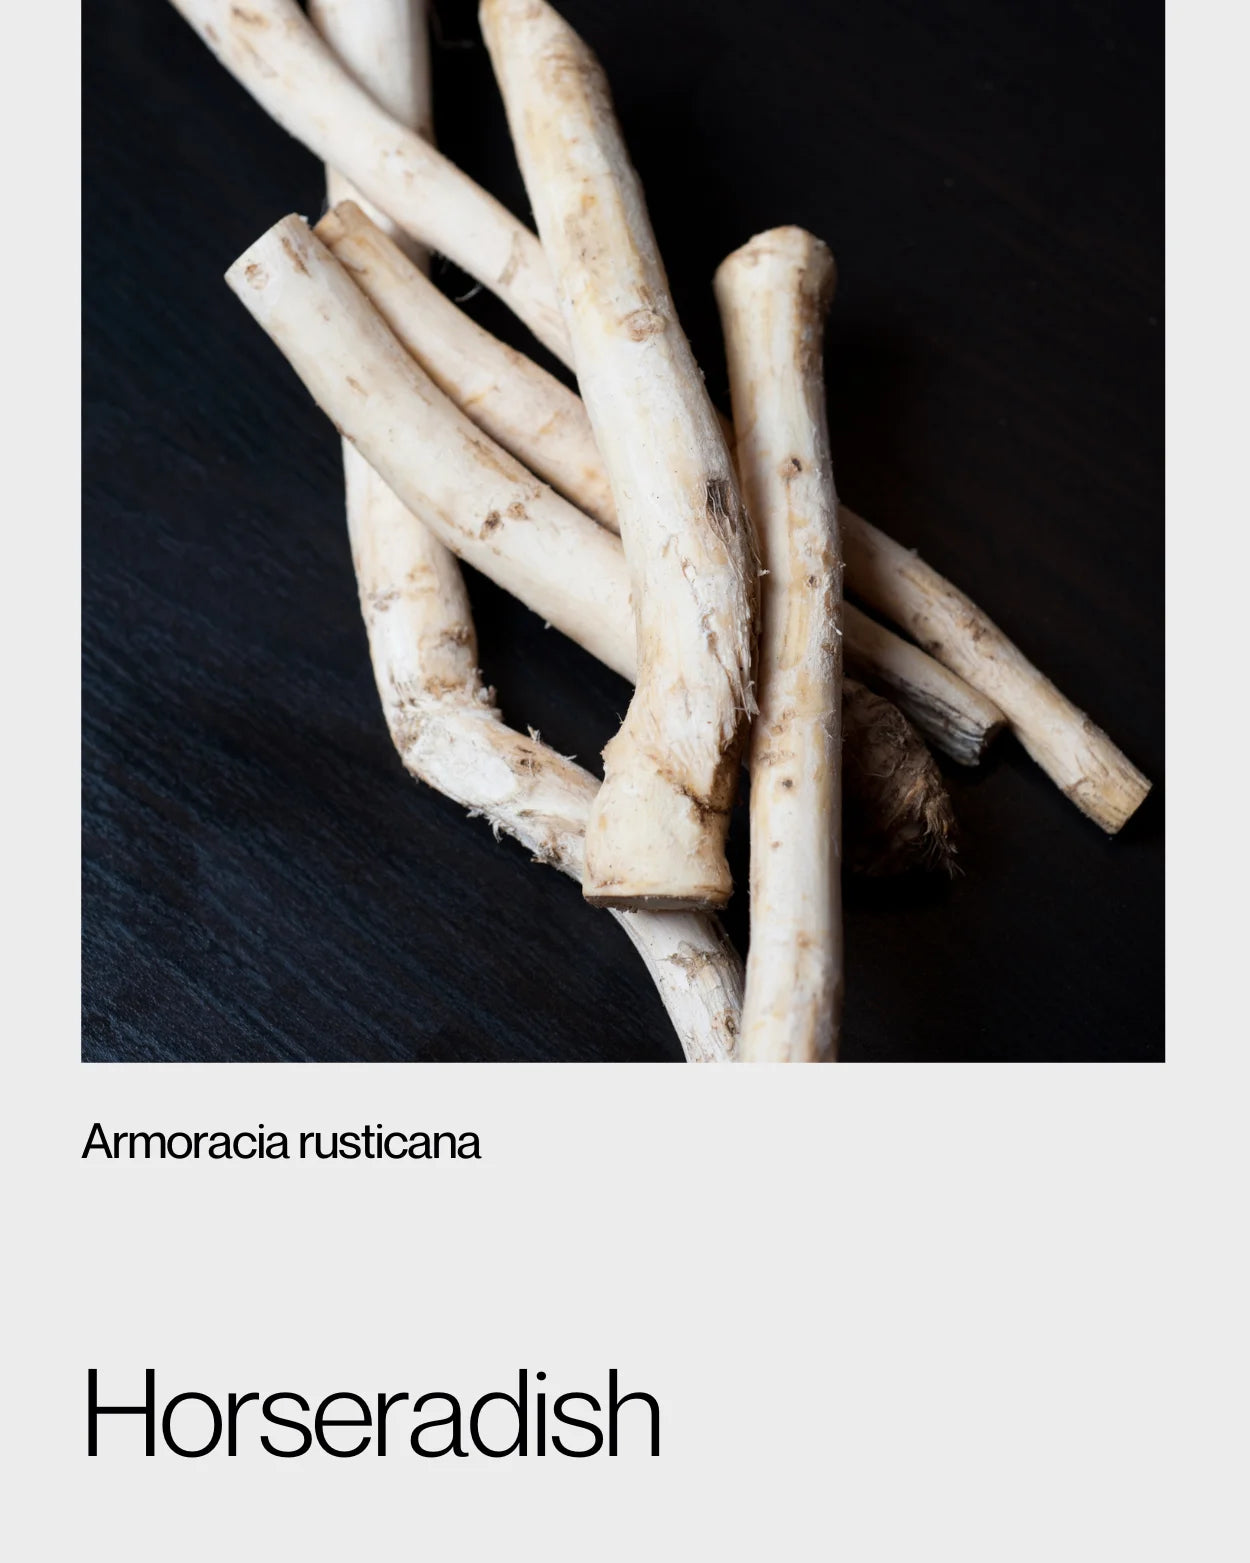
261 879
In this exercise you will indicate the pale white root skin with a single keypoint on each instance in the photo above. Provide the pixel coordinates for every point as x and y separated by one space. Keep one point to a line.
460 484
657 831
449 736
525 409
385 46
539 420
773 295
274 51
1074 753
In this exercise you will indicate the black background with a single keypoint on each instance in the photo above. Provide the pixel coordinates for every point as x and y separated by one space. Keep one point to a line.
261 879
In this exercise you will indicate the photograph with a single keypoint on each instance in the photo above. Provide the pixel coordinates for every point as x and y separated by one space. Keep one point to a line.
622 533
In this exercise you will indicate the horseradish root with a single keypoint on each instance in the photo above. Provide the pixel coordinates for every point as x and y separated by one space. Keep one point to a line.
491 512
528 411
543 423
274 53
773 294
1075 754
476 498
449 735
423 646
273 50
657 832
385 46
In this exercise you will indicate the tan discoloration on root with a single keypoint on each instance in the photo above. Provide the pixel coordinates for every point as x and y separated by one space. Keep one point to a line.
293 255
490 455
643 323
510 269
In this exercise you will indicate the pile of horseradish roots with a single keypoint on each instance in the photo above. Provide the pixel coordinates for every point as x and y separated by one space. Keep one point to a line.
703 560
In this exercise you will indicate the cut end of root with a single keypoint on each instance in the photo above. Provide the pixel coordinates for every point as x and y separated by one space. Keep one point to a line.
619 901
651 843
282 249
1112 806
670 884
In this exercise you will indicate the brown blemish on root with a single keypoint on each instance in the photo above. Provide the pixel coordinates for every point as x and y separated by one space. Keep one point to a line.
692 964
790 468
528 760
296 258
719 506
461 635
512 265
709 634
256 274
703 808
356 386
258 60
642 323
516 511
248 18
496 459
493 520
